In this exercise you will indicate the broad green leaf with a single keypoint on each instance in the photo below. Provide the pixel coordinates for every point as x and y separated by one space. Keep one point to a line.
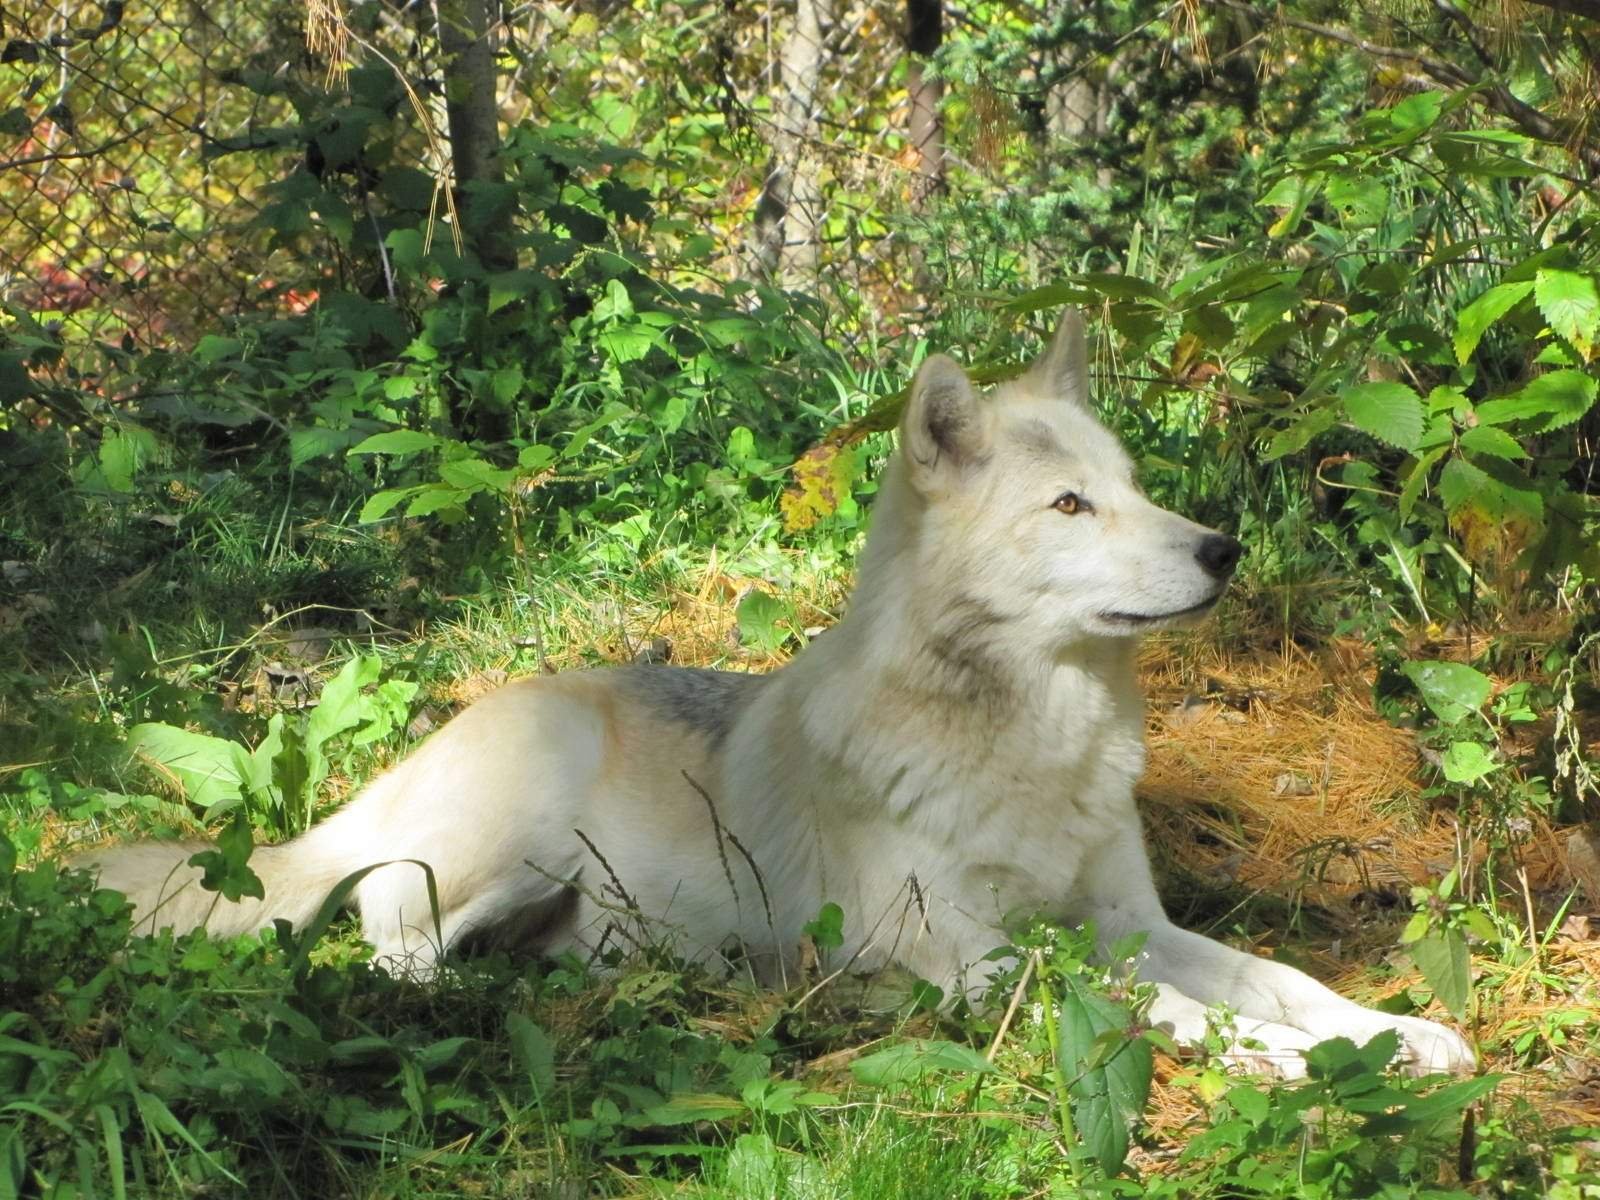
225 864
349 1113
827 931
317 441
1460 483
752 1168
209 769
762 621
1420 470
911 1059
1299 435
1292 194
1339 1058
534 1051
1473 321
474 474
1390 412
1466 762
1452 690
1123 287
1416 114
1443 959
1109 1068
212 348
689 1108
1445 1103
1361 202
507 287
341 706
429 500
1050 296
381 504
396 441
1554 399
1486 439
626 343
1571 306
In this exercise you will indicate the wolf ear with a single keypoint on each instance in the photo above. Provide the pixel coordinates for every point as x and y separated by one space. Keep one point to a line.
1063 369
943 425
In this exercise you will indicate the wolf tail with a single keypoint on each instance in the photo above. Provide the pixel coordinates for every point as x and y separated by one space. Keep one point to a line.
297 877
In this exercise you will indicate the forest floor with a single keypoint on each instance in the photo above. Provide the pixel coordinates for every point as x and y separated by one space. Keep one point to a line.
1284 815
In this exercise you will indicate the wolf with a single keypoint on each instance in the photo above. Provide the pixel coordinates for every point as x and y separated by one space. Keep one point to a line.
961 747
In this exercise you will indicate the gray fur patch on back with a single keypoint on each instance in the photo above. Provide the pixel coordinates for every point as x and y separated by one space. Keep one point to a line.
709 702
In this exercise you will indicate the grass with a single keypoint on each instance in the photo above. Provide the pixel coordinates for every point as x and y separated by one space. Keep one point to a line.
1284 812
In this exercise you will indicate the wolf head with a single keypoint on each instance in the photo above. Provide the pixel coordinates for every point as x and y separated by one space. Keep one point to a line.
1021 502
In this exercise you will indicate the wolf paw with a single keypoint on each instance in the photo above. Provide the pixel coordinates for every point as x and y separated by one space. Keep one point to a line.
1269 1049
1428 1048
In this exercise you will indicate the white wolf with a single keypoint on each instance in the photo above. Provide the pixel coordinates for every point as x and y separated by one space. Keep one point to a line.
963 745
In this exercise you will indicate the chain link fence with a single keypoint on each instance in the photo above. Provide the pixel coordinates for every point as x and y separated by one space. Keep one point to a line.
134 158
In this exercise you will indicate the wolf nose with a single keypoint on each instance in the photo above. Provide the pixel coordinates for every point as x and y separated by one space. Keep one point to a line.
1219 554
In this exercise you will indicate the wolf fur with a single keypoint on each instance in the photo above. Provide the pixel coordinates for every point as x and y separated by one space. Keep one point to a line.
961 747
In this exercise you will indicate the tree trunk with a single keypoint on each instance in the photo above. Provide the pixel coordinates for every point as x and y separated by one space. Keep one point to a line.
924 32
472 106
789 210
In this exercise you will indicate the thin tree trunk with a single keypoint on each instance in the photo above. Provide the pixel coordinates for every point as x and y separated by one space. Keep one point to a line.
789 210
472 106
924 32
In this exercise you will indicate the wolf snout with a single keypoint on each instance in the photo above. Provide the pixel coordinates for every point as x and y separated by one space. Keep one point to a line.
1219 554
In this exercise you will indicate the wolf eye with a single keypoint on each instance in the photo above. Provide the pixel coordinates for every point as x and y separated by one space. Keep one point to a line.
1071 502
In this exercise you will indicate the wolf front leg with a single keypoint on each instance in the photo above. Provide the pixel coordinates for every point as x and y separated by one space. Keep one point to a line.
1278 1006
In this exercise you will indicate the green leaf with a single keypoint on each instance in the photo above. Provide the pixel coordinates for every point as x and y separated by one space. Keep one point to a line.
912 1059
396 441
1466 762
1473 321
1445 1103
1360 202
1570 305
475 474
1452 690
209 769
432 499
1109 1068
212 348
827 931
626 343
1340 1059
1554 399
226 864
383 503
507 287
1443 959
1460 483
534 1051
762 621
1420 470
1486 439
1123 287
1390 412
1418 113
317 441
1299 435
